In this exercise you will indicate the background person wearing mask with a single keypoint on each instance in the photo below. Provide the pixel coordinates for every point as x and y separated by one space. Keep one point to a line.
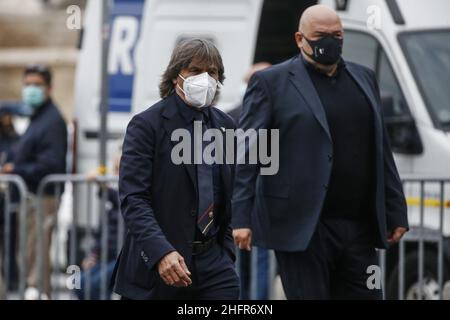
40 151
337 195
179 243
236 112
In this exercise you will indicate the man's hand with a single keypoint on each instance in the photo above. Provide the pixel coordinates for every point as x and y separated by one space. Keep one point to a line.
89 262
92 175
174 271
396 235
7 168
243 238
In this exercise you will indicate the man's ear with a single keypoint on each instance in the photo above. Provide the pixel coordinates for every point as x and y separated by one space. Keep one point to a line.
298 39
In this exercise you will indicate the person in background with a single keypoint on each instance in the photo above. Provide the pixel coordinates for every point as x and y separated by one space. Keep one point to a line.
262 256
40 151
236 111
92 263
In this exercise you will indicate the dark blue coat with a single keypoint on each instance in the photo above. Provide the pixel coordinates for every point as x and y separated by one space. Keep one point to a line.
42 149
159 198
283 209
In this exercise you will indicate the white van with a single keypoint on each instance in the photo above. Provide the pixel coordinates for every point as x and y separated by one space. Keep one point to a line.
406 42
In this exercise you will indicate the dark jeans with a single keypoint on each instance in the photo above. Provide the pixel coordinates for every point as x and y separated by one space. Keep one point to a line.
334 266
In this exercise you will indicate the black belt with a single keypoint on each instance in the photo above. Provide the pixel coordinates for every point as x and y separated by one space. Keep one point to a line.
202 246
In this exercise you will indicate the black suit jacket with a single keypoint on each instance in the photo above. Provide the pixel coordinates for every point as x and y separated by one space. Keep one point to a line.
159 198
283 209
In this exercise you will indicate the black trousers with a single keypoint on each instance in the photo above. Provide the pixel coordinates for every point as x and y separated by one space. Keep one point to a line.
213 278
334 266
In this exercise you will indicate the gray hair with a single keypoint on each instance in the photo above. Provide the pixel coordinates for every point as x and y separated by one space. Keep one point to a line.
182 56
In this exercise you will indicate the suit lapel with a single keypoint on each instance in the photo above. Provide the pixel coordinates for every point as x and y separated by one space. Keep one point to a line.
366 88
301 81
172 121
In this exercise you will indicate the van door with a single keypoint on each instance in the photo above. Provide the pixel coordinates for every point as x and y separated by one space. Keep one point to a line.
365 49
232 26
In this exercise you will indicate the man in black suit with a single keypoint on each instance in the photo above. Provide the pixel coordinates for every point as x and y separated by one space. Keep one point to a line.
337 195
179 243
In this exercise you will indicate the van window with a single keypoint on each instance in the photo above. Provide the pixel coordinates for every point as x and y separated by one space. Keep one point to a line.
360 48
364 49
390 87
428 54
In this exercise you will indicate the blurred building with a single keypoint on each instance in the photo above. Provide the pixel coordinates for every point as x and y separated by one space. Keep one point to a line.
35 31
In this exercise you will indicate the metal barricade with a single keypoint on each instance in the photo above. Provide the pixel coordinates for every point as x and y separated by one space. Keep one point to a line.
428 204
13 185
82 191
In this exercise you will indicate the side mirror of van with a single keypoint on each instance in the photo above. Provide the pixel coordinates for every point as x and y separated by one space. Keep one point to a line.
401 126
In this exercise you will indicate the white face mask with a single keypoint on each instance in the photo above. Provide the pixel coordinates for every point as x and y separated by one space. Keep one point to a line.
199 90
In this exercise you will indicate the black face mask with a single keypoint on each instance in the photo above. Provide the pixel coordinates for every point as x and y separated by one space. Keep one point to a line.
327 50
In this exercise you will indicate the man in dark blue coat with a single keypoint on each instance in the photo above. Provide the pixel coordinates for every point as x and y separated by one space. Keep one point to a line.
179 243
337 195
40 151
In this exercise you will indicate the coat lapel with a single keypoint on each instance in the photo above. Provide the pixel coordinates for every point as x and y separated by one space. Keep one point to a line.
172 121
365 86
300 79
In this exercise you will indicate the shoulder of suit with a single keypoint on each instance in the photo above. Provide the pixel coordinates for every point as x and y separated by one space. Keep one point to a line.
276 68
224 117
53 115
153 111
152 116
360 68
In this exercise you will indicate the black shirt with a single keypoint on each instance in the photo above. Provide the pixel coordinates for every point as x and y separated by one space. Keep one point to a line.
350 120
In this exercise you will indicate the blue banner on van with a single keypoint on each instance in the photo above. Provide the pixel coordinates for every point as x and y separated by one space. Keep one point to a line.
126 18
